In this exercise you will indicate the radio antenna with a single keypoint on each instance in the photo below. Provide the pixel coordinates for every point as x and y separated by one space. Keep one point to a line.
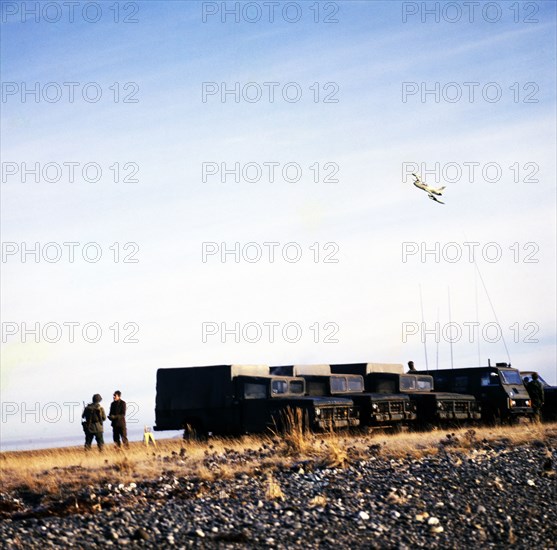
423 334
437 347
492 309
477 274
450 324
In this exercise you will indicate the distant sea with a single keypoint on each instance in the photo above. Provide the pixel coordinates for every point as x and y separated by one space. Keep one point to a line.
33 443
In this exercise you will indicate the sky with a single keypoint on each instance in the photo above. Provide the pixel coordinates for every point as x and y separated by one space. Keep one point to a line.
185 216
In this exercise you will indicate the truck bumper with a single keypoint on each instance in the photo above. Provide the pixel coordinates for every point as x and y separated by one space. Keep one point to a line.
451 415
325 424
381 418
521 411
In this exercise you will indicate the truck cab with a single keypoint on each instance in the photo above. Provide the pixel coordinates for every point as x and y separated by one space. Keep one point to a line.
376 409
433 407
499 389
265 400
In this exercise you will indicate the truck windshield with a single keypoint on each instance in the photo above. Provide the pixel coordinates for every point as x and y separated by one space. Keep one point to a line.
338 384
527 375
297 387
408 382
279 387
511 377
355 383
424 383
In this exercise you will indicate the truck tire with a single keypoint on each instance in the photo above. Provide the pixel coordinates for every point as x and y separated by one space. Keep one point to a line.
193 431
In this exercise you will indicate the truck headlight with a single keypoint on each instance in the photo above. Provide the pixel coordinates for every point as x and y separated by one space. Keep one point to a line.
440 405
513 403
528 403
375 406
317 412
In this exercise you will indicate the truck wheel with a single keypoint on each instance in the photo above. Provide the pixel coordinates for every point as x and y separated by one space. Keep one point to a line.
495 419
193 431
398 428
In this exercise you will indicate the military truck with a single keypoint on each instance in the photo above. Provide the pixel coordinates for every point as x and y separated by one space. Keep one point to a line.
433 408
549 409
376 409
499 389
239 399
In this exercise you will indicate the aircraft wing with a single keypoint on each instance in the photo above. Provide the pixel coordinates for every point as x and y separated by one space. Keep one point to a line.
433 197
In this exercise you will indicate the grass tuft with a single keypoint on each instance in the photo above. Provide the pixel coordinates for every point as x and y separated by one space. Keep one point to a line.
294 432
273 490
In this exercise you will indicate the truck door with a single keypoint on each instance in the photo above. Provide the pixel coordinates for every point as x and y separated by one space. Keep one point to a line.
254 406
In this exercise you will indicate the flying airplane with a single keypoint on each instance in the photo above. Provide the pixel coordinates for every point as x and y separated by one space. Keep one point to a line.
431 191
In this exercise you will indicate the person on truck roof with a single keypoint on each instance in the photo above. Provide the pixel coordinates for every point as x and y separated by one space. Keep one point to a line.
411 368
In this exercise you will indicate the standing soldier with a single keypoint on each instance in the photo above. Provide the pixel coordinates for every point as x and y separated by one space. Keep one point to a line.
535 390
411 368
94 416
117 416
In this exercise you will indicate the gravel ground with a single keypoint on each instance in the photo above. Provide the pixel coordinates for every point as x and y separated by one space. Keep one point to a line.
494 496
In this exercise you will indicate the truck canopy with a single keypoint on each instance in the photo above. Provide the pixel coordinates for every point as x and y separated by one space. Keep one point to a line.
364 369
200 387
311 370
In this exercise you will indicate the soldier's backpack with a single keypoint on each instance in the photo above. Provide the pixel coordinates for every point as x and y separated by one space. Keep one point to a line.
92 416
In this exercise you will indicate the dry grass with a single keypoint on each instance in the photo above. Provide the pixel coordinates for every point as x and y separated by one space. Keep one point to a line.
320 501
58 472
273 490
417 445
294 431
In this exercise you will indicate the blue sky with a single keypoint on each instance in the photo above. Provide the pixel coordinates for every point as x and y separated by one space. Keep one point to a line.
370 134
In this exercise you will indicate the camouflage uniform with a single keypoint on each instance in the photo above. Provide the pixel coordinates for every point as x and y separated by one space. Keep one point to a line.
94 416
535 390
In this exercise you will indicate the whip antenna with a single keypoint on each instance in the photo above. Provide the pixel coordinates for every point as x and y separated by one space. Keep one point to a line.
423 335
437 347
492 309
450 324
